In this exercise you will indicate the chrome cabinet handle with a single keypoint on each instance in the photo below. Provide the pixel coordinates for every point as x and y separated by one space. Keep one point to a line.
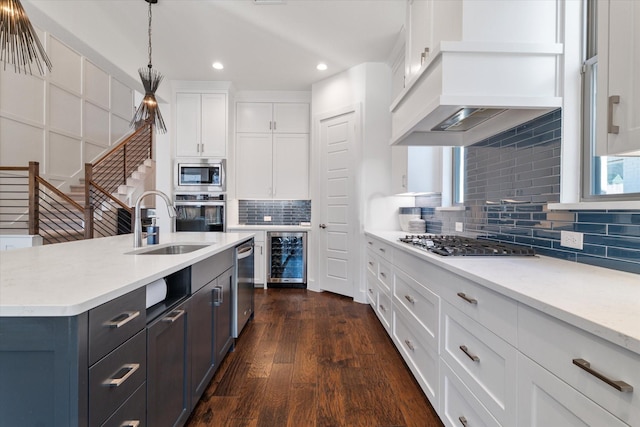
217 296
382 307
119 321
611 128
371 291
381 250
383 275
370 243
410 345
370 263
470 355
130 423
130 369
467 299
618 385
410 299
463 421
176 315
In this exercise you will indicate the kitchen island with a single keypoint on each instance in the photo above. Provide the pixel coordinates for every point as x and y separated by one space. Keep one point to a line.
80 345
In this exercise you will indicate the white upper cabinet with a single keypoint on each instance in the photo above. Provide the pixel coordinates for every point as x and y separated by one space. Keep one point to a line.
416 170
618 91
468 61
201 125
280 117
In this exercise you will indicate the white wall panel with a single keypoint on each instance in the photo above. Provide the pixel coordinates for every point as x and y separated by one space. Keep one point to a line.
96 125
64 155
91 152
22 96
64 111
20 143
119 128
96 85
121 99
67 69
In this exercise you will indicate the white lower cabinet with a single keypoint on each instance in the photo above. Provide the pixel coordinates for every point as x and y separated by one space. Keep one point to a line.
482 360
545 400
458 406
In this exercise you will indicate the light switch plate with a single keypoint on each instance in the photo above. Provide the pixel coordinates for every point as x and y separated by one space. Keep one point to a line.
459 227
267 218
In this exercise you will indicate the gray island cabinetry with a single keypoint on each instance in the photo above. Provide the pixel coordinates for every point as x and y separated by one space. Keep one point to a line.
119 362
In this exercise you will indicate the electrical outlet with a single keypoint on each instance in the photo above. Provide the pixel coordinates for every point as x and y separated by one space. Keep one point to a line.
571 239
459 227
267 218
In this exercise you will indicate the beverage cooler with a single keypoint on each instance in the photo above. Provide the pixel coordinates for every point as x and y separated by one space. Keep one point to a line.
287 260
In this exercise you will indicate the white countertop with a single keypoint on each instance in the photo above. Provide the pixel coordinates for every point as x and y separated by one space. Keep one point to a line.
598 300
67 279
266 227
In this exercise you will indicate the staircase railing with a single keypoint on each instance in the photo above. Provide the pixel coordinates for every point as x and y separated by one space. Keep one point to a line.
110 215
31 205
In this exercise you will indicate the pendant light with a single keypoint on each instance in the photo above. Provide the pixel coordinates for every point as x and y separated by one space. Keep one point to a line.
18 40
148 110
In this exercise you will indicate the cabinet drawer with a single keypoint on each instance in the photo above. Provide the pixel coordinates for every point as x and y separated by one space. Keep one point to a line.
555 345
133 412
419 304
545 400
372 292
372 262
114 322
380 248
459 407
421 357
385 276
495 312
116 377
384 309
208 269
483 361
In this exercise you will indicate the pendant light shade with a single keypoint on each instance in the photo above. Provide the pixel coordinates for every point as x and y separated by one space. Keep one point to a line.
18 40
148 110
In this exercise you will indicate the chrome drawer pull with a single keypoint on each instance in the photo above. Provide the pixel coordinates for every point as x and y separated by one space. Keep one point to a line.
410 345
130 423
467 299
463 421
383 275
381 250
618 385
370 242
410 299
370 263
611 128
122 319
176 315
382 307
371 291
469 355
131 368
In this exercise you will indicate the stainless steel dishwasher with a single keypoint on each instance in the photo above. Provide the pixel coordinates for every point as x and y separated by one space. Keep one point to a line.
287 259
242 292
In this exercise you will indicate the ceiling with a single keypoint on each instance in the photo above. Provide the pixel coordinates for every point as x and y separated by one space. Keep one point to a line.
262 46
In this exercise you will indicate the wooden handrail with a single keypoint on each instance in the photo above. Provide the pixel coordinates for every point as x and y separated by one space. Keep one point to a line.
34 198
60 194
122 143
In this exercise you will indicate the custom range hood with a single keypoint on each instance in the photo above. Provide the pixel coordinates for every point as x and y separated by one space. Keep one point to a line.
470 91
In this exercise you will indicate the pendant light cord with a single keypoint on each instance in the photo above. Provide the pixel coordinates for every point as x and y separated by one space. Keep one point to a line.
149 35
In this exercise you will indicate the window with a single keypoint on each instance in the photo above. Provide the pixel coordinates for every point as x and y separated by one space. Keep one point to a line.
604 176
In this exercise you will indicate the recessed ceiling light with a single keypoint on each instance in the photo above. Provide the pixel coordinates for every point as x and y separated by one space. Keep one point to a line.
218 65
321 66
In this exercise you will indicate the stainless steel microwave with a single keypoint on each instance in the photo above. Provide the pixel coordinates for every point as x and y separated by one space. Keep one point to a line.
200 175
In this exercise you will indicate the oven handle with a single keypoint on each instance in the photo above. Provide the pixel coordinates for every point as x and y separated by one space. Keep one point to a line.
198 203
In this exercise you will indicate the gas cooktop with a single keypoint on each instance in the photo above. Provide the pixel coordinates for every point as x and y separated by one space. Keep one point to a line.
464 246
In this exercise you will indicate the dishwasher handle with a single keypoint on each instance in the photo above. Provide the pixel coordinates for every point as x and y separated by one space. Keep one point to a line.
244 252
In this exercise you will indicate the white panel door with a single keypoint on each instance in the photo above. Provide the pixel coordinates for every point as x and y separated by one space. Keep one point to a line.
338 240
254 166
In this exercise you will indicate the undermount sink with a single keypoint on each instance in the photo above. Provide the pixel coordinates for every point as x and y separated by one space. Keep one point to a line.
173 249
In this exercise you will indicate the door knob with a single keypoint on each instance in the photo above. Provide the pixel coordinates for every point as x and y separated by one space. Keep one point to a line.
323 226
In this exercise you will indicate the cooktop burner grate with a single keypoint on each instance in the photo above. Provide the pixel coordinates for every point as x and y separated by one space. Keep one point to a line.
464 246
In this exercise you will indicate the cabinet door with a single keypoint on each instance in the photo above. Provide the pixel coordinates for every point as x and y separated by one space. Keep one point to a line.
188 116
223 316
167 363
291 166
419 19
618 68
201 328
259 258
416 169
253 166
214 125
254 117
545 400
291 117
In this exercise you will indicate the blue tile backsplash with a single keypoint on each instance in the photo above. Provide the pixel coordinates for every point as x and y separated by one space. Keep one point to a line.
282 212
510 179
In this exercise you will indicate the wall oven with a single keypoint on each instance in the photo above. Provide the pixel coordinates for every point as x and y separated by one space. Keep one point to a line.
200 212
206 175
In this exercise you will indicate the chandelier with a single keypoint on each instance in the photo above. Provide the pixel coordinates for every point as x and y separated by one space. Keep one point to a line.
148 110
18 40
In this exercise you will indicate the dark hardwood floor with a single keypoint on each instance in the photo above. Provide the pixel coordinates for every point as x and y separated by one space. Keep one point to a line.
313 359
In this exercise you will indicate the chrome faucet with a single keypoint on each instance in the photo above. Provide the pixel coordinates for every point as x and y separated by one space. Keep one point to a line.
137 228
